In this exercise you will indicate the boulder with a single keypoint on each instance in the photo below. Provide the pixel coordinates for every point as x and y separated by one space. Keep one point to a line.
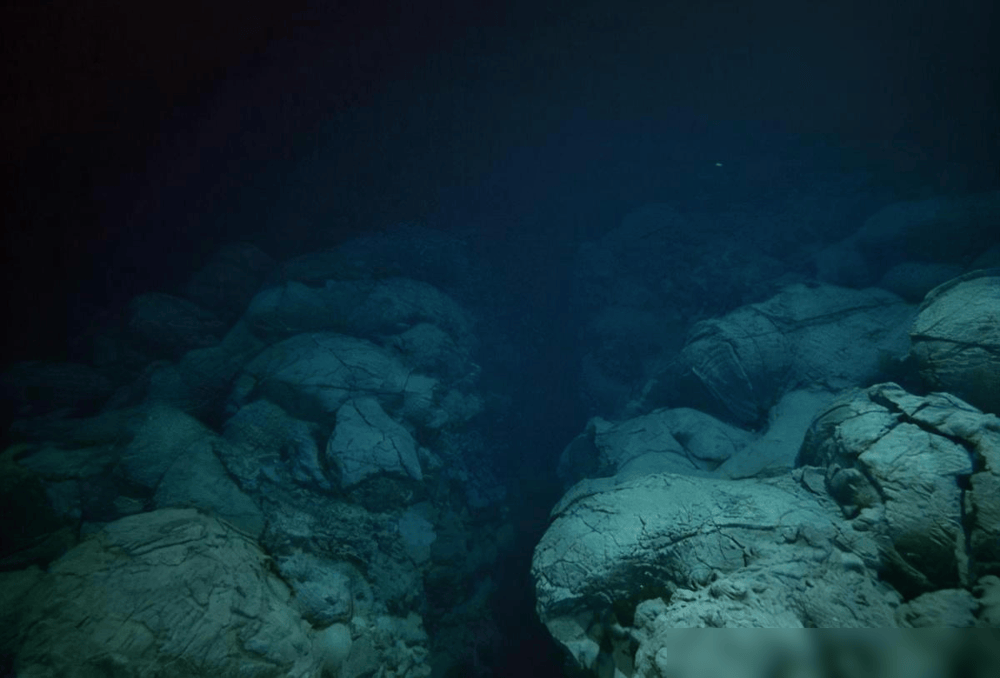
818 337
920 474
956 338
312 375
949 608
742 360
681 440
200 380
197 479
754 553
265 443
324 590
367 442
32 532
155 442
167 593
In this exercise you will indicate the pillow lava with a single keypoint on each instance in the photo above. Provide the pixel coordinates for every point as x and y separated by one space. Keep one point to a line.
956 338
739 366
716 553
682 441
892 519
356 307
167 593
366 443
312 375
922 475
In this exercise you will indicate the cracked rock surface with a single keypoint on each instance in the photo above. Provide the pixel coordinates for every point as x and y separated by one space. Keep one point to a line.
956 338
171 593
888 521
764 553
920 473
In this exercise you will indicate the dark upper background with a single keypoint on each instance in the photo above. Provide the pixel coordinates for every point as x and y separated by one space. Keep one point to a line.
137 136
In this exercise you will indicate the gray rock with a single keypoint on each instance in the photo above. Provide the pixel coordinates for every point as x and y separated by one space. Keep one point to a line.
988 259
987 591
775 450
911 470
417 532
323 590
312 375
429 349
681 440
159 438
166 593
951 608
265 442
197 479
887 653
843 265
39 525
367 442
690 653
397 304
641 285
956 338
316 267
15 587
294 307
827 338
172 456
742 360
361 308
717 552
199 382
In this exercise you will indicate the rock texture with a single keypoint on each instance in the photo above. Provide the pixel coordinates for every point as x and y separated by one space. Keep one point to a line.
891 520
717 553
366 443
919 474
956 338
170 593
680 441
325 423
818 337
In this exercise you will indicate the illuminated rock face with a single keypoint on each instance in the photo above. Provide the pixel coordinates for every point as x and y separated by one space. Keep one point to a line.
169 588
819 337
890 519
366 443
710 552
911 469
956 339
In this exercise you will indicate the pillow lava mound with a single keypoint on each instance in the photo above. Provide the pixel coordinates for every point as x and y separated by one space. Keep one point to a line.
890 520
330 433
167 593
885 514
